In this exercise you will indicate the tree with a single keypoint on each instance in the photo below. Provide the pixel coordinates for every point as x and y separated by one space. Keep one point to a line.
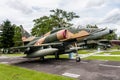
91 26
118 37
42 25
17 36
62 17
58 19
7 34
112 36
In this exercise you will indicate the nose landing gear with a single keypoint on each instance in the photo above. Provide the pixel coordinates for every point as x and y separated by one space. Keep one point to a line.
78 59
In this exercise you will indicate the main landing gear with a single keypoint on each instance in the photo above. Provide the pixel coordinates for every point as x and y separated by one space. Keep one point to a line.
42 58
56 56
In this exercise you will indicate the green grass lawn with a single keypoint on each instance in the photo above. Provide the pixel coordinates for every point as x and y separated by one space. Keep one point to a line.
14 54
112 53
110 58
8 72
82 52
61 56
85 51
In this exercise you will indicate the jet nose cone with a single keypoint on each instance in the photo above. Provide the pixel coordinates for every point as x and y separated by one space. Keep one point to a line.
111 31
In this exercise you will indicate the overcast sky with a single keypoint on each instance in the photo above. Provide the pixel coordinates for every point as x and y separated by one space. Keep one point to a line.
105 13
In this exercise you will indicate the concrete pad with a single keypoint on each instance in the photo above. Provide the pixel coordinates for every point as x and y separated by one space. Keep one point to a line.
4 62
84 70
113 66
3 57
71 75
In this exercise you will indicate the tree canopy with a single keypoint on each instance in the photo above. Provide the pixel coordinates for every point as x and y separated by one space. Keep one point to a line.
112 36
59 18
7 34
91 26
11 35
17 35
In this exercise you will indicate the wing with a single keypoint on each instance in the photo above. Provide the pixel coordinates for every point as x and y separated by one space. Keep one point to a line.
70 37
45 48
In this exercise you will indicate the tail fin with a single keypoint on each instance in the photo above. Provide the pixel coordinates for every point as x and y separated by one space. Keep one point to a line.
24 33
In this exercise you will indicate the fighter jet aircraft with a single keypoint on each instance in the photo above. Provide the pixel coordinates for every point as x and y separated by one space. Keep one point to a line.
55 42
58 41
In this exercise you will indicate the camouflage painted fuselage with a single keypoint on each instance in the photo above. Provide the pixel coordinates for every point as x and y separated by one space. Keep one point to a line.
62 39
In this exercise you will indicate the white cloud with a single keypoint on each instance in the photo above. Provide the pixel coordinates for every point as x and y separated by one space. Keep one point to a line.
112 17
87 20
18 5
22 12
113 12
111 20
80 5
73 4
95 3
42 3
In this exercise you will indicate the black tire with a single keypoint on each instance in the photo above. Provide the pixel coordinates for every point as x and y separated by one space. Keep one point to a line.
78 59
42 58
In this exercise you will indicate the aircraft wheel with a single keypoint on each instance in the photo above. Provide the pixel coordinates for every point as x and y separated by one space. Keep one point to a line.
6 51
78 59
42 58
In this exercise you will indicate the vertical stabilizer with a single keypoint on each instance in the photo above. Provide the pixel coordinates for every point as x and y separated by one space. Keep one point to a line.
24 33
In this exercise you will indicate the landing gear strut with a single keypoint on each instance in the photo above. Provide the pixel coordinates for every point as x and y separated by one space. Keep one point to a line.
56 56
77 56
